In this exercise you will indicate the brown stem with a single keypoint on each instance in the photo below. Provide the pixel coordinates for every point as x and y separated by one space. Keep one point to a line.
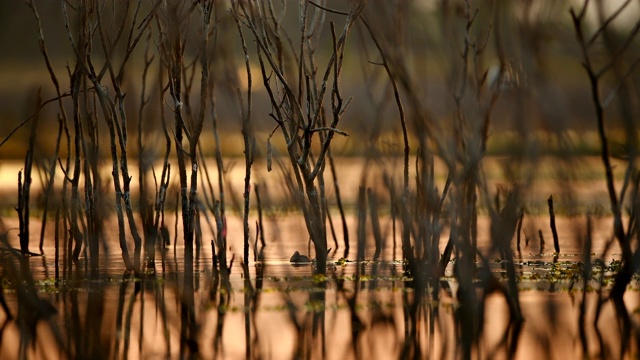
552 224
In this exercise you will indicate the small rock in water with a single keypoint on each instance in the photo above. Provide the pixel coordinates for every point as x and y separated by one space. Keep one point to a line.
297 258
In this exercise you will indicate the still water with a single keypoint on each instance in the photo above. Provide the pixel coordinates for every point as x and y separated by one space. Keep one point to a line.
273 309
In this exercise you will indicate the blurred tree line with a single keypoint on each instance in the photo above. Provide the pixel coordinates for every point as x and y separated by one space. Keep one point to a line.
545 90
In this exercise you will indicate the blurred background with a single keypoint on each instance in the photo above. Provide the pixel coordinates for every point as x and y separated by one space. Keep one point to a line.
546 96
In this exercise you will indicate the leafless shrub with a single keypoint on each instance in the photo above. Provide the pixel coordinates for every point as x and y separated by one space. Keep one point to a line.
298 98
617 65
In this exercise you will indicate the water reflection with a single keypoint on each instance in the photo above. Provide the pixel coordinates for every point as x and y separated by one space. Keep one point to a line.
188 308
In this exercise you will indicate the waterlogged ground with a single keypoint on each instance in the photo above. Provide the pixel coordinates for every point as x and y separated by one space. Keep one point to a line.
274 311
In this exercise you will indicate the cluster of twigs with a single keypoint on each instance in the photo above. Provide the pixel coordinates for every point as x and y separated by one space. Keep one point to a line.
615 68
298 97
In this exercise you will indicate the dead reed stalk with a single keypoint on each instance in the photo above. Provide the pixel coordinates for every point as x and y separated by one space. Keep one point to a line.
552 224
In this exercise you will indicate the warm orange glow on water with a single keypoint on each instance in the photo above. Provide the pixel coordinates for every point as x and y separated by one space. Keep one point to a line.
150 321
579 187
549 330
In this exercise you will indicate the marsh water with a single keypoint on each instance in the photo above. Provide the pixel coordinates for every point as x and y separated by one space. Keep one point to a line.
478 199
274 309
